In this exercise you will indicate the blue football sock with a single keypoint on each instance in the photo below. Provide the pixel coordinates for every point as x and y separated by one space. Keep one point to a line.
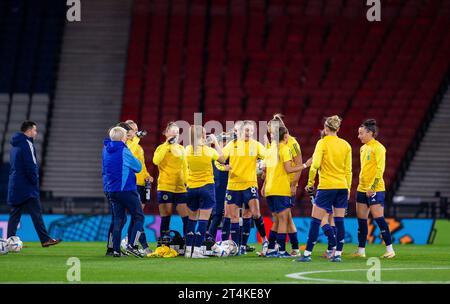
294 240
246 231
259 223
313 234
215 222
226 226
234 231
185 220
165 224
272 239
190 233
340 237
281 240
329 233
384 228
201 232
363 230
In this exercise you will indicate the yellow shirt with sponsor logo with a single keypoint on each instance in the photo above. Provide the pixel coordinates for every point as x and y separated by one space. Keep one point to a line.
373 163
242 157
277 179
200 170
333 159
138 152
172 166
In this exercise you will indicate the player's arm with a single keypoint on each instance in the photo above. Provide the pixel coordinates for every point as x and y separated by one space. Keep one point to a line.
316 163
218 155
160 153
286 158
221 167
380 158
297 161
348 169
261 151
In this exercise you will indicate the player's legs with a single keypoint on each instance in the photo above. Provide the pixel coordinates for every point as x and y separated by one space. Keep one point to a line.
292 233
246 227
259 220
226 225
339 214
377 211
362 213
329 230
137 218
165 208
234 202
180 200
273 233
283 223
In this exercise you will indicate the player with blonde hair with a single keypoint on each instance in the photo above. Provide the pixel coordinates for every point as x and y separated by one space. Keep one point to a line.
171 161
201 192
333 158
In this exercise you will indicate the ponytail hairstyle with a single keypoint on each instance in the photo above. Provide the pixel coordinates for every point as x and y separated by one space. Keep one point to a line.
371 126
333 123
170 125
282 131
196 136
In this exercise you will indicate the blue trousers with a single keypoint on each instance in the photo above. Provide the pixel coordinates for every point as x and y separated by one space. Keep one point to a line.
121 201
33 207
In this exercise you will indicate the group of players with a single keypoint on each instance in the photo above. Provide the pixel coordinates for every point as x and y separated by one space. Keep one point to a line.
213 181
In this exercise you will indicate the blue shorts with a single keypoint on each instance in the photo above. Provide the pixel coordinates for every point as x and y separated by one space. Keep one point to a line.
241 197
165 197
378 198
203 198
278 203
329 198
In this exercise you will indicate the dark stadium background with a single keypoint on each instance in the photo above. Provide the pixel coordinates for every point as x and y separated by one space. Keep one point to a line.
154 61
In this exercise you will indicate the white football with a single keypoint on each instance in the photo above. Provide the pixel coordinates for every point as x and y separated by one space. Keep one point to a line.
14 244
232 247
3 247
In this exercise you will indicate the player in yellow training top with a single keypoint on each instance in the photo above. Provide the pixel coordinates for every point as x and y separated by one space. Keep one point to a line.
333 158
277 188
242 189
296 154
201 192
171 161
370 192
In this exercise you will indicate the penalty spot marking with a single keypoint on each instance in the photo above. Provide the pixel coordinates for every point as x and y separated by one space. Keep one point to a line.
304 276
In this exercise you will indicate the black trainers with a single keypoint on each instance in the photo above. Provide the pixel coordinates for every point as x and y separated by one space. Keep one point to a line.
134 251
249 248
109 252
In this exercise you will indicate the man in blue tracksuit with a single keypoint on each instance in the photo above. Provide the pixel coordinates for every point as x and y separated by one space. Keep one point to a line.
119 168
23 185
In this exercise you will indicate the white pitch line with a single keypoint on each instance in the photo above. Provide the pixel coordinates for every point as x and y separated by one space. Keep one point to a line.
303 276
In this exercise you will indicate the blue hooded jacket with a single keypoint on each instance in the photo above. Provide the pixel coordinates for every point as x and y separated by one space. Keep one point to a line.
24 173
119 167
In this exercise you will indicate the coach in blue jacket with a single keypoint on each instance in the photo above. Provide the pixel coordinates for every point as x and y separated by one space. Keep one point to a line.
119 177
23 185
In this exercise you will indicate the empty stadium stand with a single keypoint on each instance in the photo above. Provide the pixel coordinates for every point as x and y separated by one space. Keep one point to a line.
88 98
30 41
429 172
233 59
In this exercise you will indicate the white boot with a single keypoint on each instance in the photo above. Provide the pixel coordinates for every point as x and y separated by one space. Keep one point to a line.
188 252
198 253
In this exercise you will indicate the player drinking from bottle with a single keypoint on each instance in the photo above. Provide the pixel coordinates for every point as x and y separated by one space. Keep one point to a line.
171 162
333 157
371 191
242 189
277 188
201 192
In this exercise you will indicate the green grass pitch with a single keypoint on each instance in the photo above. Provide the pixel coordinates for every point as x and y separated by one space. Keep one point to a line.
34 264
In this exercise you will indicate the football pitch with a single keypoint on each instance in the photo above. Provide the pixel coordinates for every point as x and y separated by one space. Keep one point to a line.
34 264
